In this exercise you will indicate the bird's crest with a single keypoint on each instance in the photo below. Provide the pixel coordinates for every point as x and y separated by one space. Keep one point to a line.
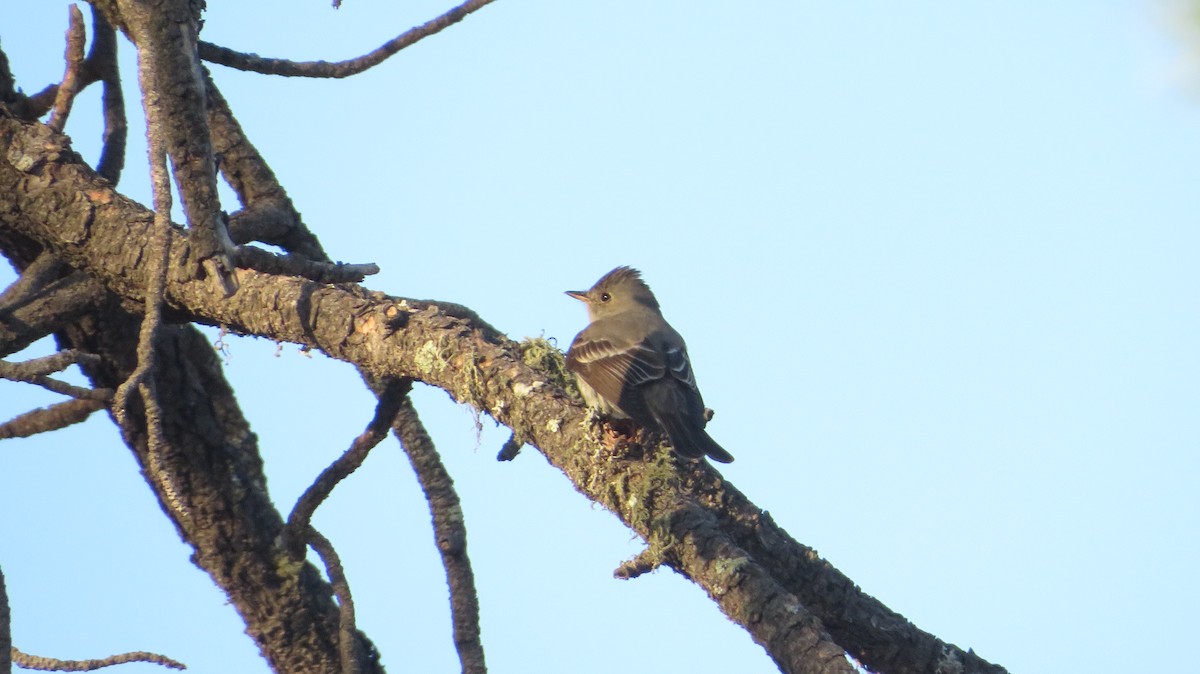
630 278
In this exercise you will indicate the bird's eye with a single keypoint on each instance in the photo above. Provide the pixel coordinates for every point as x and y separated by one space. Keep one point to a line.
604 297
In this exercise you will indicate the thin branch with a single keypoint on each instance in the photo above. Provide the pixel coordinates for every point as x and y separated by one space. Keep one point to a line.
35 371
40 103
449 531
56 362
348 645
642 563
102 62
29 318
38 662
271 66
141 378
72 80
344 465
52 418
45 269
249 257
153 316
267 214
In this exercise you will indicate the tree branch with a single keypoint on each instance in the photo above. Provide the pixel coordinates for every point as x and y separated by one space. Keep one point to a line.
43 271
173 94
52 418
249 257
268 214
344 465
395 337
62 301
102 60
268 66
72 79
233 527
27 661
347 631
34 372
450 532
265 199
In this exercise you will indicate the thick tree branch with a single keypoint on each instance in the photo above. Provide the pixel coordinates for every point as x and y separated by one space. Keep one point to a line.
173 94
214 468
262 195
268 66
54 195
213 460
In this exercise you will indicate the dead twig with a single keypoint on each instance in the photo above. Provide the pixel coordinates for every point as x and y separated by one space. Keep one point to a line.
272 66
52 418
249 257
56 362
72 81
394 393
38 662
35 371
102 64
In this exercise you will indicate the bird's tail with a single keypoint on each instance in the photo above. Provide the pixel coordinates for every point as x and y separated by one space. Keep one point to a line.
692 442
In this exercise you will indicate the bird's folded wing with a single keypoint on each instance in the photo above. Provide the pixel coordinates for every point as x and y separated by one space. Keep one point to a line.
680 366
612 369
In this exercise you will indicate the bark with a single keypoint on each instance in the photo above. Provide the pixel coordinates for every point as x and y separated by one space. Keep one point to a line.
166 33
801 609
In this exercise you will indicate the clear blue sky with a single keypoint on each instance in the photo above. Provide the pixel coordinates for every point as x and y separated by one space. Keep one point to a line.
936 264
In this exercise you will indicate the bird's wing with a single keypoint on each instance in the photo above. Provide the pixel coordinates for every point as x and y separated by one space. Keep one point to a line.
680 366
612 368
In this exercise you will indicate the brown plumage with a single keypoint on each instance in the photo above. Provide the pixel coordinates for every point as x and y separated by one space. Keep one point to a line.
630 363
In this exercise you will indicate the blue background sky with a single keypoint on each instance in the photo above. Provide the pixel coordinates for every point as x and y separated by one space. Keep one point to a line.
936 264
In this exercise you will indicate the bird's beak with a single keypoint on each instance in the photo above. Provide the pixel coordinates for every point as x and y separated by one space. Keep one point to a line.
580 295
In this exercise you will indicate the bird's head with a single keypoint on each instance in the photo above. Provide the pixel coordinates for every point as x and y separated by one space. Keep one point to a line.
619 290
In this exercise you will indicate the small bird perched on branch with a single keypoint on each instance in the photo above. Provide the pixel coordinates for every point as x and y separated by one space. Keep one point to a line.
630 363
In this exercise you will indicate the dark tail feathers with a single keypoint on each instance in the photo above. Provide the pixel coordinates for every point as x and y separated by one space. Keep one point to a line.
692 442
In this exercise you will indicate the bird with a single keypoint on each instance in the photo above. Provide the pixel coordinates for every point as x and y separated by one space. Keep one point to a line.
631 364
